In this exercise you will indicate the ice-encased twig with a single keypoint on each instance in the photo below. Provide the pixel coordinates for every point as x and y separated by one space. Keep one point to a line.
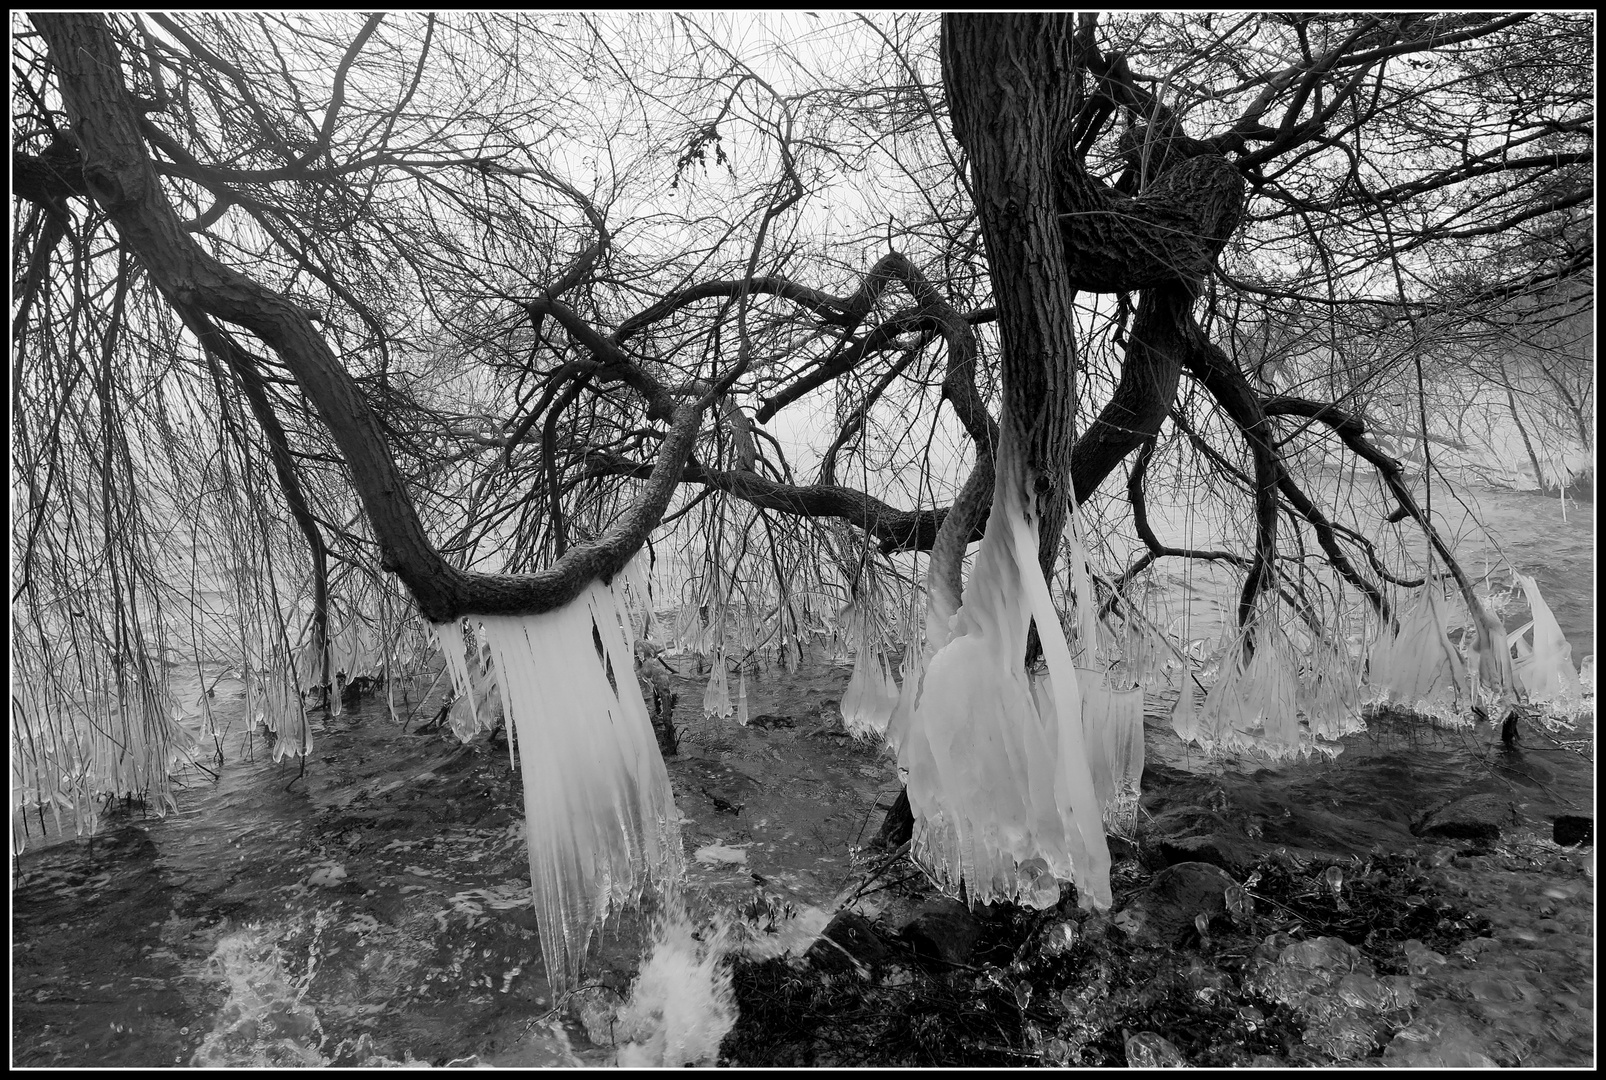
1546 671
717 695
599 816
1417 666
871 696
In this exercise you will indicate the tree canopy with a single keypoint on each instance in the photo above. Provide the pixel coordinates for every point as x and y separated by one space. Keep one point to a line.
487 301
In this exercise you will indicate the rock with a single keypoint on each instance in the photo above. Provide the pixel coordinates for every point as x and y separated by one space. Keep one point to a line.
944 929
898 827
1188 834
1570 829
848 938
1471 817
1174 899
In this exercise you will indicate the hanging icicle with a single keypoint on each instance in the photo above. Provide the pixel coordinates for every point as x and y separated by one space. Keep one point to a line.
741 696
599 816
717 696
871 695
1417 666
1252 705
1546 669
1112 721
473 680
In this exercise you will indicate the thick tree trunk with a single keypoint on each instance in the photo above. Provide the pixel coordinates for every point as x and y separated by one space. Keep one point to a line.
1010 90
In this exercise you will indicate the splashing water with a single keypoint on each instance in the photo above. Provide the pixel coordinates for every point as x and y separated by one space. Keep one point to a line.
263 1023
682 1005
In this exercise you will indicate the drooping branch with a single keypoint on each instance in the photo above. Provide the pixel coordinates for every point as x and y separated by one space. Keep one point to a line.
121 177
894 529
246 370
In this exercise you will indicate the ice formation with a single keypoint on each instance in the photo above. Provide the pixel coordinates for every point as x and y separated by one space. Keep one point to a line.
997 776
1252 705
1185 714
600 820
1489 656
1328 693
741 697
1112 723
1417 666
717 695
903 711
275 703
1546 667
872 694
472 677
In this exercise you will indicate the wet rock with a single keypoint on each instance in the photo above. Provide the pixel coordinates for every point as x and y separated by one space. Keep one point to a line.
1188 834
848 939
1177 896
1471 817
1570 829
944 929
898 827
772 721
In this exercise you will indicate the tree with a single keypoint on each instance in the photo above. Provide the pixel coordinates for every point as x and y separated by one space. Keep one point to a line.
286 240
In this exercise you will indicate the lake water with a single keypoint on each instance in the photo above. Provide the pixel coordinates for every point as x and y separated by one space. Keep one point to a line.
383 895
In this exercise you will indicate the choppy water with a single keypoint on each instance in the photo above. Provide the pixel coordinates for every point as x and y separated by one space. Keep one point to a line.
384 895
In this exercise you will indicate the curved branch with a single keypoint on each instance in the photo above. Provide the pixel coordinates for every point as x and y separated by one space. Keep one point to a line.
897 530
122 178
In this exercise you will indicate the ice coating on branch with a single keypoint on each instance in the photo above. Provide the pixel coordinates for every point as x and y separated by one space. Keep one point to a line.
1112 722
275 703
1185 714
1252 705
717 695
995 778
1417 666
599 816
472 679
741 697
871 695
1489 656
911 670
1086 608
1546 669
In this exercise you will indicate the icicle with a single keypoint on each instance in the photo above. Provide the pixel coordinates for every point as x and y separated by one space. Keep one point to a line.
599 817
1185 714
1418 667
1252 705
903 712
871 695
1113 724
1547 670
1328 692
474 681
741 696
1489 657
717 697
1086 609
998 775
